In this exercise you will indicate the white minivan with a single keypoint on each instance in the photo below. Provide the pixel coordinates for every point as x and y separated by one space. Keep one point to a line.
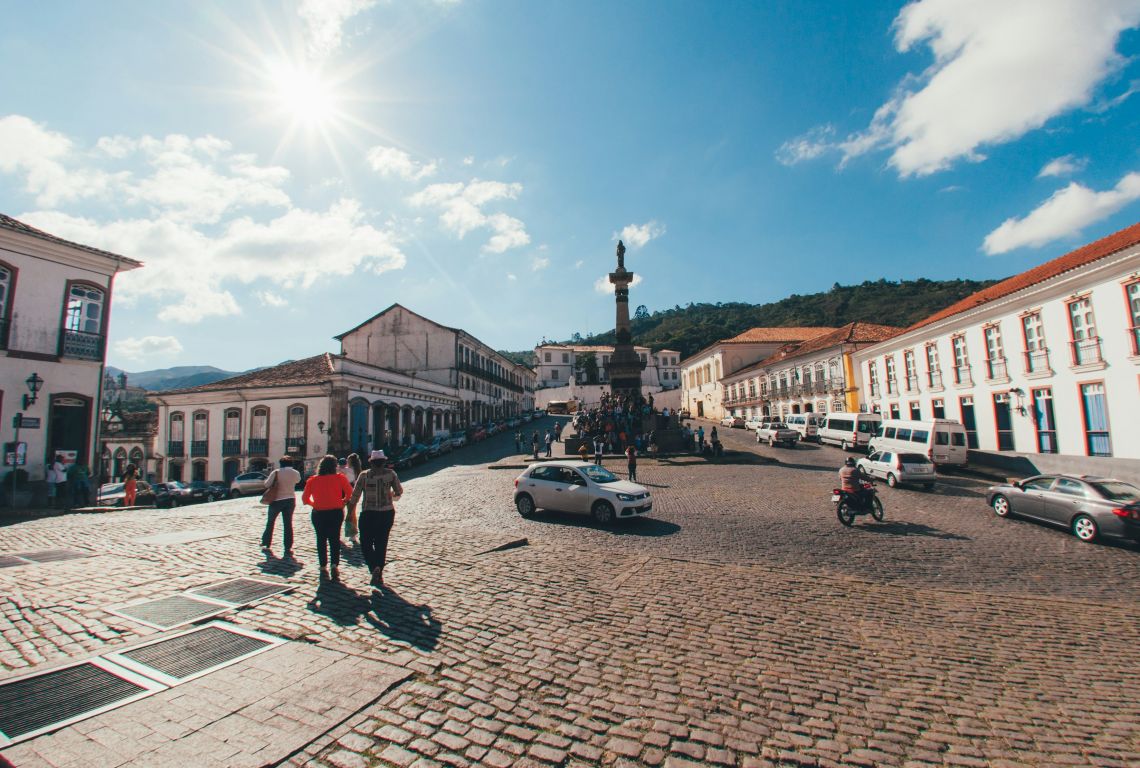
807 424
941 440
849 430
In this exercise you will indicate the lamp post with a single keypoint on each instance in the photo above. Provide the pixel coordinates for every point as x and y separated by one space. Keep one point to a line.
34 383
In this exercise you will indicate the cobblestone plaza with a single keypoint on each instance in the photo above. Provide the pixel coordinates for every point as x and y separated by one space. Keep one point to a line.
740 624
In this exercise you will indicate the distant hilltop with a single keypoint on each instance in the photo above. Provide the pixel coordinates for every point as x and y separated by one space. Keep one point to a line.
174 378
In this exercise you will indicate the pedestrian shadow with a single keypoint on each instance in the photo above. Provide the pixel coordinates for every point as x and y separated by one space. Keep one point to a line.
278 566
900 528
403 621
343 605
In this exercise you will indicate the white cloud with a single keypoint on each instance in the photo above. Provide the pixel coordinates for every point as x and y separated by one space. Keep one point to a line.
324 22
637 235
271 299
137 348
1063 166
539 263
461 211
1065 213
578 264
469 160
511 277
41 156
603 284
996 76
389 161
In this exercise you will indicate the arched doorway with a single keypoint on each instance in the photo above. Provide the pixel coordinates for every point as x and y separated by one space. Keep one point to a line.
198 471
259 465
231 468
68 426
120 463
174 471
358 427
407 425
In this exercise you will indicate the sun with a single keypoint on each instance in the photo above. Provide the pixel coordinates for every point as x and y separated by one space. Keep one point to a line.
303 94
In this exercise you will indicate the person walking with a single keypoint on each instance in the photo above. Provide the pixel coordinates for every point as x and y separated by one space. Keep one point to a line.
599 449
549 444
534 444
518 441
351 471
80 479
130 485
631 462
282 482
558 431
378 487
326 492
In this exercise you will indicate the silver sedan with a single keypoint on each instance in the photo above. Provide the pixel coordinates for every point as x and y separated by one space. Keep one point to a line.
1090 507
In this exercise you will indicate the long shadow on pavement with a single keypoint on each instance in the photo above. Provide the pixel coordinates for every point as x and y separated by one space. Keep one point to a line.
277 566
636 526
407 622
899 528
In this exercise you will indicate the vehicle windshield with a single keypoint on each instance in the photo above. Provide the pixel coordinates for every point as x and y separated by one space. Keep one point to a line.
778 425
598 474
1114 490
175 484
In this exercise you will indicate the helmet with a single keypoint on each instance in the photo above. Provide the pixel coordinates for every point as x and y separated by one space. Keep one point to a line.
850 462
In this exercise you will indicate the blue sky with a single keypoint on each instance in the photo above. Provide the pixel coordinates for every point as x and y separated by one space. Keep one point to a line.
287 169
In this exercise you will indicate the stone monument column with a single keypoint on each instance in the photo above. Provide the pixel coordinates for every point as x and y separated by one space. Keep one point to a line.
624 368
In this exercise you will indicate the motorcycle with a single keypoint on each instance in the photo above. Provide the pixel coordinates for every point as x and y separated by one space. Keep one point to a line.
850 505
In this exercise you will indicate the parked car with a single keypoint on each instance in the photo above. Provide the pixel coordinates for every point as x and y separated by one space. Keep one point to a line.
439 446
201 491
478 433
1090 507
458 439
754 423
112 494
732 422
247 483
775 432
416 453
221 490
582 487
943 441
849 430
172 493
807 424
898 468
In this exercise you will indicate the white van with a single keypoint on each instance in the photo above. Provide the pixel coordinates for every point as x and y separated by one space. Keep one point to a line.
807 424
941 440
849 430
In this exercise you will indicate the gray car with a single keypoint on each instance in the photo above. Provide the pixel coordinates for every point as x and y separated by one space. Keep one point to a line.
250 482
1090 507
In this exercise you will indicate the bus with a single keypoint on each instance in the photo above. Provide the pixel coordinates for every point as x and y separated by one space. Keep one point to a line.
558 408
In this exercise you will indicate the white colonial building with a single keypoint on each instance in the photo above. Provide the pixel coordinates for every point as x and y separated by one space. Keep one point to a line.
55 308
1044 363
400 378
815 376
701 374
558 365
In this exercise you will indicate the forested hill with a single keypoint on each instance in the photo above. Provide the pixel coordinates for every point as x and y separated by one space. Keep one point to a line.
692 328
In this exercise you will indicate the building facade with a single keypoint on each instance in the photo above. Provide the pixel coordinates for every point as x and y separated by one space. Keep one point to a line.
1046 362
127 438
55 309
702 392
816 376
557 365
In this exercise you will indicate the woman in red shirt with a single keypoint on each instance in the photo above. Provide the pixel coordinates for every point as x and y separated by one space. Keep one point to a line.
326 492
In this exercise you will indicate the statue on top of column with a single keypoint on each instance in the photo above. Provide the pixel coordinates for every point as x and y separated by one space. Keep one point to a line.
621 255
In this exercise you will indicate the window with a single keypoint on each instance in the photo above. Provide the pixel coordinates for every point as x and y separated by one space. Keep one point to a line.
933 367
938 405
895 413
1043 420
1037 484
259 424
1003 417
554 374
1095 409
995 353
969 421
231 432
565 357
1085 343
911 371
873 377
83 322
1036 355
903 433
7 280
961 361
920 436
1069 487
546 355
890 363
1131 291
176 434
200 433
915 410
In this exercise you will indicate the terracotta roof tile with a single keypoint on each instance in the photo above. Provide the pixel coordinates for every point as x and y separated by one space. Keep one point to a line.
791 333
311 370
852 333
7 222
1083 256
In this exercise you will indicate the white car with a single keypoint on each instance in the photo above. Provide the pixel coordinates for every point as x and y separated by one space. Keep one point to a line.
579 486
898 468
458 439
754 423
732 422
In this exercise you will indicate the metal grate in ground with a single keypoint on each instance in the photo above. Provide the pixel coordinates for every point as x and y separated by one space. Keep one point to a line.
170 612
195 652
241 591
46 556
42 702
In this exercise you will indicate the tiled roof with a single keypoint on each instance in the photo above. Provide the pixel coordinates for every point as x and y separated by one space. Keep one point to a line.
791 333
311 370
1083 256
852 333
7 222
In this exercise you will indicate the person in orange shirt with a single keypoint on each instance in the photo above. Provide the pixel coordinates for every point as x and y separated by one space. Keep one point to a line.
130 485
326 492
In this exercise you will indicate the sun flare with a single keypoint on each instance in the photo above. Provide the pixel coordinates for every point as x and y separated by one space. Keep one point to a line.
303 94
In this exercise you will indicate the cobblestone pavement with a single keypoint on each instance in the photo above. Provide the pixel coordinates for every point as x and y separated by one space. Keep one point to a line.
739 625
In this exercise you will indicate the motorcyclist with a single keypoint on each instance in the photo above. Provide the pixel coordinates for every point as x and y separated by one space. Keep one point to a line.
851 479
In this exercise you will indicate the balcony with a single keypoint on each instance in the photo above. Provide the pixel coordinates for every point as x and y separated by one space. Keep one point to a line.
295 445
1037 361
199 448
1086 351
1133 334
912 384
258 446
962 375
874 389
820 387
175 448
934 379
82 346
231 447
996 369
892 387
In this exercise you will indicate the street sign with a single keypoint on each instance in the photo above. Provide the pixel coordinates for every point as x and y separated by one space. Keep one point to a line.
15 454
20 421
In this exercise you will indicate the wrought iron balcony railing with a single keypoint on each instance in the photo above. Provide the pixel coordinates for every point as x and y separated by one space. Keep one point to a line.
82 345
1086 351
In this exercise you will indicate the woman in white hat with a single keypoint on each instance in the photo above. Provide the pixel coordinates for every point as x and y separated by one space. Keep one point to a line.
379 487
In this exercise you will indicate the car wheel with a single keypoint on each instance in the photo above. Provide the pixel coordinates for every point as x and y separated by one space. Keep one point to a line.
845 515
771 442
603 512
843 445
877 509
1001 506
235 493
757 437
525 505
892 481
1084 528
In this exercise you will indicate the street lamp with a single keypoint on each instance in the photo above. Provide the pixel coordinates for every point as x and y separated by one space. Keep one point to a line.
35 384
321 426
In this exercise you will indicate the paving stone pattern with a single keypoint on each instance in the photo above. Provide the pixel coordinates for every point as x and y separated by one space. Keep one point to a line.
739 625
